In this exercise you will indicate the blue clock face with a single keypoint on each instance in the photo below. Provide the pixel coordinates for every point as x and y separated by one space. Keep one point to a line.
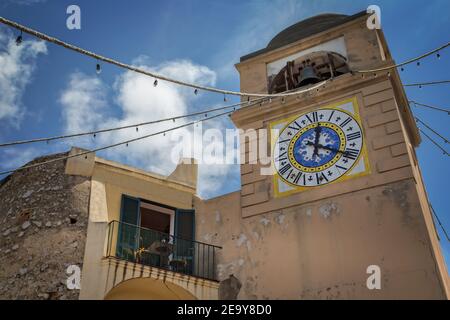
318 147
304 154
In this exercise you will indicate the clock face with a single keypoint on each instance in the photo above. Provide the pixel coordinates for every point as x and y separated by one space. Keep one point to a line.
318 147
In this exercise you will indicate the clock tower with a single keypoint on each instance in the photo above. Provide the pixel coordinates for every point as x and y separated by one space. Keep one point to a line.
341 177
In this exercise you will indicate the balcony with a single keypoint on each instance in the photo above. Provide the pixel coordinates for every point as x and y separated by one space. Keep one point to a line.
161 250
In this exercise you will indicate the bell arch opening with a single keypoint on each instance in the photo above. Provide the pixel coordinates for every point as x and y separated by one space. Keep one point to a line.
308 69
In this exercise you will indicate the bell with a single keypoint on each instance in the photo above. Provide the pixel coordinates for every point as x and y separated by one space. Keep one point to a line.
307 76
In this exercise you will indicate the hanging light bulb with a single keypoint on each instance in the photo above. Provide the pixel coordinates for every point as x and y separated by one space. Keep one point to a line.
98 68
282 100
224 98
418 63
155 83
195 91
127 144
438 55
389 74
206 115
375 75
94 135
137 129
270 100
420 86
173 120
164 134
19 38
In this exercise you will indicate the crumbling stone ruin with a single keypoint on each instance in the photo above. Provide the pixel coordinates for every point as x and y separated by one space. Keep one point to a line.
43 225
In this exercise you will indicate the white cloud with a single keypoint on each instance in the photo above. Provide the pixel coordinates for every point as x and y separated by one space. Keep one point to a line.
84 104
17 64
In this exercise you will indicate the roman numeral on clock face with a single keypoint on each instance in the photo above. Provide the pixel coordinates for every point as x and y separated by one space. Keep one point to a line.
350 153
345 122
353 136
295 126
331 115
282 157
297 178
285 169
320 177
313 117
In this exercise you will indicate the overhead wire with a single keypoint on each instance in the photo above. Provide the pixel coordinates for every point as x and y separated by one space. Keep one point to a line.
406 62
432 130
126 142
434 142
136 125
197 87
430 83
98 57
440 223
430 107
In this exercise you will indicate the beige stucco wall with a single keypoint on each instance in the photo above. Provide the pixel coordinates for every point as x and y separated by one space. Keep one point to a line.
321 250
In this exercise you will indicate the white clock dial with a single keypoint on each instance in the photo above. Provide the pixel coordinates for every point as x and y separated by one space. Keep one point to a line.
318 147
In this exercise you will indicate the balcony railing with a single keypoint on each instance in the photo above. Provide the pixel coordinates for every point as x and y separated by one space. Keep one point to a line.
157 249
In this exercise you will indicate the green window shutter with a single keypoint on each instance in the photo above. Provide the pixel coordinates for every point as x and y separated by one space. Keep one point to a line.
130 210
128 240
185 224
184 236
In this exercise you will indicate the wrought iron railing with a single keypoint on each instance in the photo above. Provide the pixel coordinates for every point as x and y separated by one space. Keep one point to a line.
157 249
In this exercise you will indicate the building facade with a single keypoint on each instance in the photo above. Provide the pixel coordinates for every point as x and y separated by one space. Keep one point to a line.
344 193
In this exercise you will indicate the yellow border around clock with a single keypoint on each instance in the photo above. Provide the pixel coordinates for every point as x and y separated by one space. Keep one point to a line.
363 153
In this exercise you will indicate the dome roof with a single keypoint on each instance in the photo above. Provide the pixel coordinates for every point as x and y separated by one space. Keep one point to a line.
304 29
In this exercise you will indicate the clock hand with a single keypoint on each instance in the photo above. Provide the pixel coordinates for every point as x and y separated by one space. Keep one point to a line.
318 129
332 149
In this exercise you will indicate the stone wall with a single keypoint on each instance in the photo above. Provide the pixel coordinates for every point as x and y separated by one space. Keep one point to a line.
43 223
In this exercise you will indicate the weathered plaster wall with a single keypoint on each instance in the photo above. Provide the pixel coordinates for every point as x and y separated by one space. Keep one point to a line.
321 250
43 221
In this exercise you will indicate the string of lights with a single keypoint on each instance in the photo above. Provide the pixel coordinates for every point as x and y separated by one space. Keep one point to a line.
440 223
157 77
126 143
417 104
430 83
432 130
196 87
435 143
417 60
136 125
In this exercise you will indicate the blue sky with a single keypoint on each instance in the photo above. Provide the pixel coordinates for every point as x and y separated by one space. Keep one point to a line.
57 91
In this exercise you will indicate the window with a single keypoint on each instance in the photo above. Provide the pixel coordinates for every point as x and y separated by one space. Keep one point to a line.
155 234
